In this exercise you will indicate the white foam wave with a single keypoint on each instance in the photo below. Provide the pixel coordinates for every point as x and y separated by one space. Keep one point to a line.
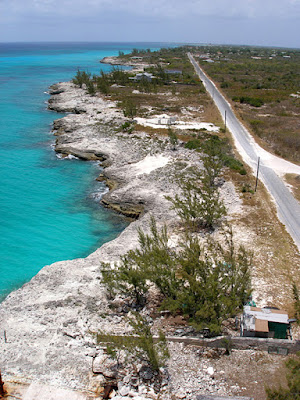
97 196
71 157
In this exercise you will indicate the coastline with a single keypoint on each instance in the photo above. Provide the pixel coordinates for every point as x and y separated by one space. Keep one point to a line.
48 322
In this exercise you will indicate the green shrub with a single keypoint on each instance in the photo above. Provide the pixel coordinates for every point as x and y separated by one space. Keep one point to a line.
129 108
224 85
246 188
252 101
216 147
206 286
193 144
140 344
296 296
128 127
234 164
81 78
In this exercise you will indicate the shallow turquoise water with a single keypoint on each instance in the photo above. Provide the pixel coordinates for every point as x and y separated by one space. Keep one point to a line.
47 205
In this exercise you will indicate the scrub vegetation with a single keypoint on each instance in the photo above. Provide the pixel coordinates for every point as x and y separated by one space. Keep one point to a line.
292 392
263 86
139 344
205 283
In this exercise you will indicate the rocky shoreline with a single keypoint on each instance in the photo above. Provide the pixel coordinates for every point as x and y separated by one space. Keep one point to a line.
49 322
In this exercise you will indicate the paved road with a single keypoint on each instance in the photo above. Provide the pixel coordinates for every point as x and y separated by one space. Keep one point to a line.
288 208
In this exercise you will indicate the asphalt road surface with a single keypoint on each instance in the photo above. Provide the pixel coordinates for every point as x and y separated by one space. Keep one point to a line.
287 206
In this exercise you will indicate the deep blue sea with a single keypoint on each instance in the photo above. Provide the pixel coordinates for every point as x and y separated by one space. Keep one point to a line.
47 205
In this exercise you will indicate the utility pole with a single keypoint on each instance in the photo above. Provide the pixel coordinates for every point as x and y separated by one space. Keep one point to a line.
225 120
257 174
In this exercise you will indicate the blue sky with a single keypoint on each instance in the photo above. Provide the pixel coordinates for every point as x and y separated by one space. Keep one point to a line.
257 22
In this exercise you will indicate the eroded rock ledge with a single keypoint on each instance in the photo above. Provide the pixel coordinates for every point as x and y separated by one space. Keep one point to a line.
50 320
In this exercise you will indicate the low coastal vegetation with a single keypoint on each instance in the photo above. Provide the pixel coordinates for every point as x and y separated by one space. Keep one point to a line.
263 84
139 346
206 283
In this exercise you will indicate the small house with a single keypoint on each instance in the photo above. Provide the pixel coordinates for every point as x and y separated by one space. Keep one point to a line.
165 119
143 76
136 58
267 322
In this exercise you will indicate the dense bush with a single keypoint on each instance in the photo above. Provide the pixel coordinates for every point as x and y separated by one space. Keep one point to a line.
207 286
199 203
252 101
81 78
217 147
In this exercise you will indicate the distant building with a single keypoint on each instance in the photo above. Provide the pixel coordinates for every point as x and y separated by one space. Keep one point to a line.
173 71
267 322
144 75
136 58
165 119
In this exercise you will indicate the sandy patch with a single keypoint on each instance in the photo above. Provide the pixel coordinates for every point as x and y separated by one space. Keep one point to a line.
150 163
279 165
153 123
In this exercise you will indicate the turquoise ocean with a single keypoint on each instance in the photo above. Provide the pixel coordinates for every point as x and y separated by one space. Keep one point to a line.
49 207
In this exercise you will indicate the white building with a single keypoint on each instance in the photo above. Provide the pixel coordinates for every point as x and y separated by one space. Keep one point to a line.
165 119
265 322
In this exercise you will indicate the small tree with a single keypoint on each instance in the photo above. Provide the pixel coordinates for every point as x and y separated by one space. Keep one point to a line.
152 262
205 285
126 278
91 88
139 344
103 83
129 108
296 302
119 76
172 138
200 201
215 282
81 78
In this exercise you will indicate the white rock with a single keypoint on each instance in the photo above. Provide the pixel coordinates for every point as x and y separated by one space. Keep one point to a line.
142 389
210 371
124 391
133 393
127 378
